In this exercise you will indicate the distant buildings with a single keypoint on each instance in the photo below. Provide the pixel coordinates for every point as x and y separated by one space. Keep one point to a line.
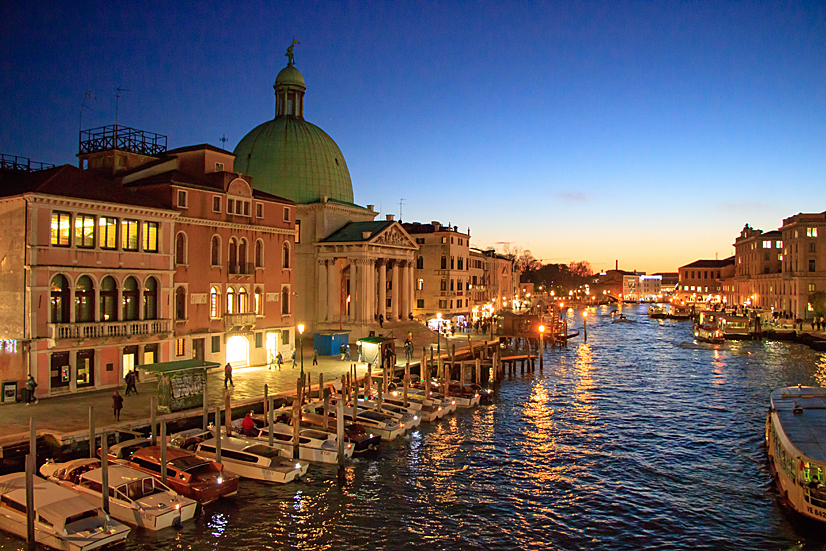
702 280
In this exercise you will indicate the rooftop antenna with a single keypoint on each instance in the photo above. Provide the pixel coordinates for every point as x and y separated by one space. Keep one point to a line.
400 208
223 141
118 91
83 106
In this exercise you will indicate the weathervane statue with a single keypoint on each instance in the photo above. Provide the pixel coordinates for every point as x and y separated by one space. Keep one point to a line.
289 53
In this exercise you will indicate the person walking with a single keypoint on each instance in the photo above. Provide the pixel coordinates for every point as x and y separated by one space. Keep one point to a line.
228 375
31 384
279 359
293 358
128 380
117 404
347 352
343 350
381 320
131 380
315 356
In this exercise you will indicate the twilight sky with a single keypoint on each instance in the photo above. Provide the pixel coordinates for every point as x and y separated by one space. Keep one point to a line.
647 133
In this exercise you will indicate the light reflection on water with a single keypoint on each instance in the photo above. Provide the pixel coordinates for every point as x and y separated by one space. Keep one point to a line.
640 439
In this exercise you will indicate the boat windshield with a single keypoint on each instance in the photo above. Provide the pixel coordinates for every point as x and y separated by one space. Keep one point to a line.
264 451
91 513
188 463
372 415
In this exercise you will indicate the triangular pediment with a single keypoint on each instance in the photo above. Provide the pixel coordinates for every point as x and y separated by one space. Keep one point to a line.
395 236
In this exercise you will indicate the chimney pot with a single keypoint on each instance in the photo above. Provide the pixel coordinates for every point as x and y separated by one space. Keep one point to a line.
390 217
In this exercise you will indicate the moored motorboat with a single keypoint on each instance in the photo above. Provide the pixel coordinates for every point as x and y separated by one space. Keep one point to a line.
377 423
253 459
795 443
707 328
313 444
63 519
657 312
136 497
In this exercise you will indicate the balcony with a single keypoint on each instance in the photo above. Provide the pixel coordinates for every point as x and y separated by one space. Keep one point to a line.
97 330
241 269
239 322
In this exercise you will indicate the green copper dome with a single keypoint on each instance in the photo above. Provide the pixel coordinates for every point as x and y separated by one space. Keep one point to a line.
294 159
290 157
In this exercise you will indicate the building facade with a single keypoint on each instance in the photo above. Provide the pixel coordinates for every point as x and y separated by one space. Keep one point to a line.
702 280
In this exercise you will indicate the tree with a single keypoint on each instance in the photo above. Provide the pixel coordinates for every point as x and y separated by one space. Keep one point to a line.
526 262
818 302
581 268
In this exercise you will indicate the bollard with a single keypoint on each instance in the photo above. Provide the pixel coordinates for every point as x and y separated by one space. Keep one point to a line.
104 470
297 415
272 403
206 410
217 435
153 405
340 437
227 413
266 398
163 451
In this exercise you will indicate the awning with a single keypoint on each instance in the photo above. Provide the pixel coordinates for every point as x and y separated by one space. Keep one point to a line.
376 340
178 365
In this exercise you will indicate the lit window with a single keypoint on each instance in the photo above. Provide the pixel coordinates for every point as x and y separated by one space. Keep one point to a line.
420 285
129 235
230 300
85 231
180 347
778 244
214 302
258 302
811 232
243 301
767 244
298 231
61 223
108 232
150 237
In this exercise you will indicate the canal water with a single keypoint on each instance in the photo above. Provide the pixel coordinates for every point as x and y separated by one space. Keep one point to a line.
639 439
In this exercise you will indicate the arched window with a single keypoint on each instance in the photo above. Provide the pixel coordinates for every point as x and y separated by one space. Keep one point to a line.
108 299
130 299
232 259
60 299
84 300
242 257
259 301
180 249
285 255
180 303
215 251
230 300
285 301
150 299
420 263
259 254
243 301
444 262
215 302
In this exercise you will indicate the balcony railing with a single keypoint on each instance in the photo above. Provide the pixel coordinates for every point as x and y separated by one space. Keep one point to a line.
239 320
241 268
96 330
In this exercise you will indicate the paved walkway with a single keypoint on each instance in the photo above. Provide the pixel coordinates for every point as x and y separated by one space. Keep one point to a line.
68 414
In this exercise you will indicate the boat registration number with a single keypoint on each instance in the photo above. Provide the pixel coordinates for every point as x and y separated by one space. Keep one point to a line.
815 512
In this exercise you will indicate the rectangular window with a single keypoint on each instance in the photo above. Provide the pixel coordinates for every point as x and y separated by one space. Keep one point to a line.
767 244
85 231
230 205
61 226
259 210
108 232
219 167
297 232
812 287
246 208
420 240
216 344
180 347
285 336
812 265
451 304
129 235
420 303
442 304
811 232
259 340
182 198
779 244
286 214
216 203
444 239
444 285
150 237
239 207
812 247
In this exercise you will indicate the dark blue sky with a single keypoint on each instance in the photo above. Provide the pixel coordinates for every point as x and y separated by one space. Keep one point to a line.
644 132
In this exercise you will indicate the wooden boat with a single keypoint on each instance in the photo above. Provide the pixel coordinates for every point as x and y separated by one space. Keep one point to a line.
63 519
136 497
253 459
186 473
796 446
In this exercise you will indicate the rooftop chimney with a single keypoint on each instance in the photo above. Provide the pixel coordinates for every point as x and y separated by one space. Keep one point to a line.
436 225
390 217
370 207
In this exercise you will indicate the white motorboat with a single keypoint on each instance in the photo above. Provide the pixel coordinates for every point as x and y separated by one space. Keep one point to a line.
795 444
313 445
448 404
377 423
63 519
253 459
407 418
429 412
136 497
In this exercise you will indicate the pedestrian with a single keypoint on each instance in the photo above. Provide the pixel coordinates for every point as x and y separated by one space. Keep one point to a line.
131 379
315 356
117 404
347 352
293 358
381 320
31 384
279 360
228 375
342 349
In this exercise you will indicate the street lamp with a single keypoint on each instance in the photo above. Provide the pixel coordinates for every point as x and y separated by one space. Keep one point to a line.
541 333
301 346
585 324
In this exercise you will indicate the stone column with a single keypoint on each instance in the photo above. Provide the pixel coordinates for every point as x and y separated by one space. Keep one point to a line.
403 294
321 294
370 290
333 291
382 264
394 295
411 286
354 279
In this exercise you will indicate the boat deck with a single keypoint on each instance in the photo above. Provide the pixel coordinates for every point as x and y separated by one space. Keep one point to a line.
807 429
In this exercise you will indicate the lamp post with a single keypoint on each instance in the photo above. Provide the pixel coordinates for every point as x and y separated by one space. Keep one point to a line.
301 347
585 325
541 334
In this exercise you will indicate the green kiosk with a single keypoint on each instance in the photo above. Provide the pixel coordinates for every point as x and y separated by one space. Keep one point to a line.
181 384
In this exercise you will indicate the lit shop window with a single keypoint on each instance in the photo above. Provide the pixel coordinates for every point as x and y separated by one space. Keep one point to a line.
85 231
61 222
129 235
108 230
150 237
